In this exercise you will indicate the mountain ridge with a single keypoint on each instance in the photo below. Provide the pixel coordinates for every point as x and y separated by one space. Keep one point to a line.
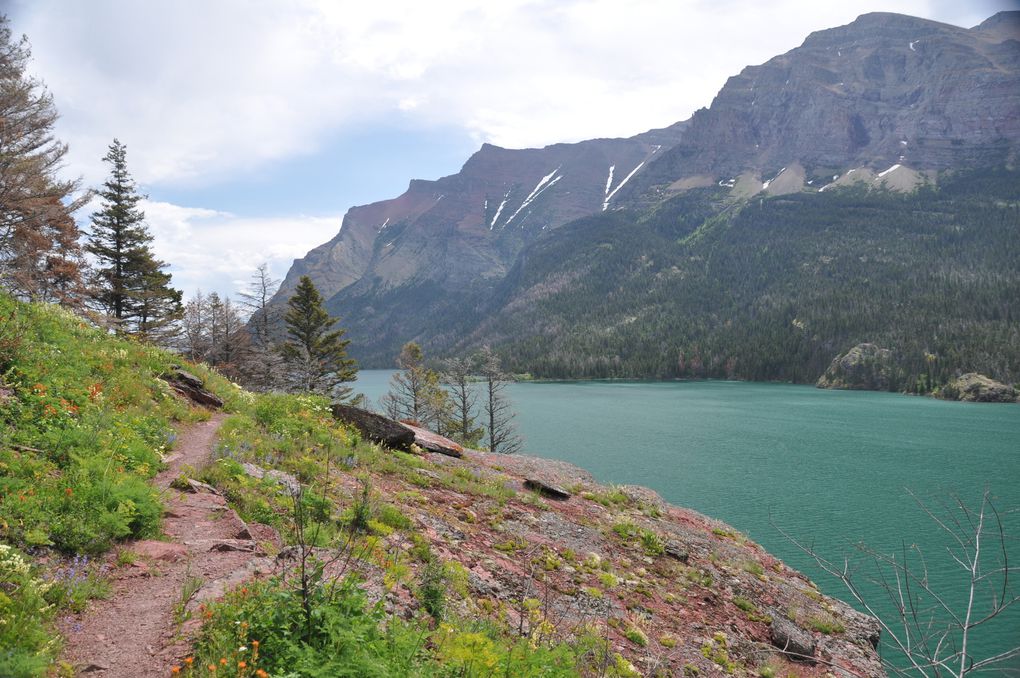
887 101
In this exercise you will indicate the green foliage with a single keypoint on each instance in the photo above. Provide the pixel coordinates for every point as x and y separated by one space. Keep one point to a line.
776 288
636 636
27 646
262 626
717 650
316 355
133 288
826 625
81 434
432 589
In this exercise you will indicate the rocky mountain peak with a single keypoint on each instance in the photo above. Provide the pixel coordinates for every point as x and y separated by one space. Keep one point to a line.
884 90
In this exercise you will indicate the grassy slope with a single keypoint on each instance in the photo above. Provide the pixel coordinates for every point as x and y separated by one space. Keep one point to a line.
444 562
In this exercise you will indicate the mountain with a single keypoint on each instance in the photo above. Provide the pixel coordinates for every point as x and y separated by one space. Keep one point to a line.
885 90
879 157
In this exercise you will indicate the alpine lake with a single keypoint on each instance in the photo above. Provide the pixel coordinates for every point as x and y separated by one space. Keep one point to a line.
834 470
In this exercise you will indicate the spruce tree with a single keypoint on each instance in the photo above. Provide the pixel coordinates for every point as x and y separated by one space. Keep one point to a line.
316 357
131 285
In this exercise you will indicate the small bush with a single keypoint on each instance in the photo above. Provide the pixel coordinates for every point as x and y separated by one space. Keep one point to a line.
28 646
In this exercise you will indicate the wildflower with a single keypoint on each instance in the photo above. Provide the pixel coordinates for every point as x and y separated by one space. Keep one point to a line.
68 491
189 661
212 668
242 664
261 674
223 661
175 670
255 644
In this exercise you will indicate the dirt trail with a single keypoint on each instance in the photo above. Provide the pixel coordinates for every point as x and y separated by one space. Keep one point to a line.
134 633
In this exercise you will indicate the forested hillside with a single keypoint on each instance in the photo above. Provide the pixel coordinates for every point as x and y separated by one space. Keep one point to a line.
774 289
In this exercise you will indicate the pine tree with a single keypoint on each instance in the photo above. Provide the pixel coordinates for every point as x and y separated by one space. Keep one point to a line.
316 357
39 253
131 284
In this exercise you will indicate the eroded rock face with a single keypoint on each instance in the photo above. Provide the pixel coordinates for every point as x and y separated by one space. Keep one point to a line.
978 388
864 367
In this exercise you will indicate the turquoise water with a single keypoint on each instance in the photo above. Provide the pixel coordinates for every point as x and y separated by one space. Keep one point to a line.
830 467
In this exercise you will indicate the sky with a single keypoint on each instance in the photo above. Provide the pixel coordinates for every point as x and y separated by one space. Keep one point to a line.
253 125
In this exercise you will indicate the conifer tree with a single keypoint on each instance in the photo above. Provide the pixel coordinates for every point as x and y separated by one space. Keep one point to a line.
415 394
316 357
456 376
40 257
131 285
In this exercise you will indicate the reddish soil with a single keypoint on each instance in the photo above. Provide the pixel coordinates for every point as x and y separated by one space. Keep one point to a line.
135 631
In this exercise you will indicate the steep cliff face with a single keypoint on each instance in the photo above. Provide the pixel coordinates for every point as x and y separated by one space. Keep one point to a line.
884 90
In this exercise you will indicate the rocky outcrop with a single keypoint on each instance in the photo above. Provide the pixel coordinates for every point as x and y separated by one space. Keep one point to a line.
791 639
191 387
864 367
433 442
977 388
375 427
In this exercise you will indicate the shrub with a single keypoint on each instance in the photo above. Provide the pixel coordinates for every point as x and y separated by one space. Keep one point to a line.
26 644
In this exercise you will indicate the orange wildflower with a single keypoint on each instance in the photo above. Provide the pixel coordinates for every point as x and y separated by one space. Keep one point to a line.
175 670
241 665
255 644
223 661
189 661
212 668
68 491
261 674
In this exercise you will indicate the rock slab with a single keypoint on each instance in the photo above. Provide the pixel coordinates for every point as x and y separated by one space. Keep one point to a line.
375 427
433 442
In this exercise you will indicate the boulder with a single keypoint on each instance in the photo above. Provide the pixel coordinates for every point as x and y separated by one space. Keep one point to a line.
547 489
433 442
977 388
192 388
375 427
864 367
791 639
289 482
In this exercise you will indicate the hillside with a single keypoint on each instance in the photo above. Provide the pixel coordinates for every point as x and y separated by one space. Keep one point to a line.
666 278
372 560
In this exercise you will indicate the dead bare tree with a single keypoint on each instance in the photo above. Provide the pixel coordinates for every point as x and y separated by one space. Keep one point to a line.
501 433
933 632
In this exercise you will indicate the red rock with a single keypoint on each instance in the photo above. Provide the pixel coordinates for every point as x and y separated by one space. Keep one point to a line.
433 442
160 550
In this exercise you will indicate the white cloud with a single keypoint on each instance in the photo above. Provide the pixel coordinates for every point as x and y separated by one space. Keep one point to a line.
218 251
201 90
